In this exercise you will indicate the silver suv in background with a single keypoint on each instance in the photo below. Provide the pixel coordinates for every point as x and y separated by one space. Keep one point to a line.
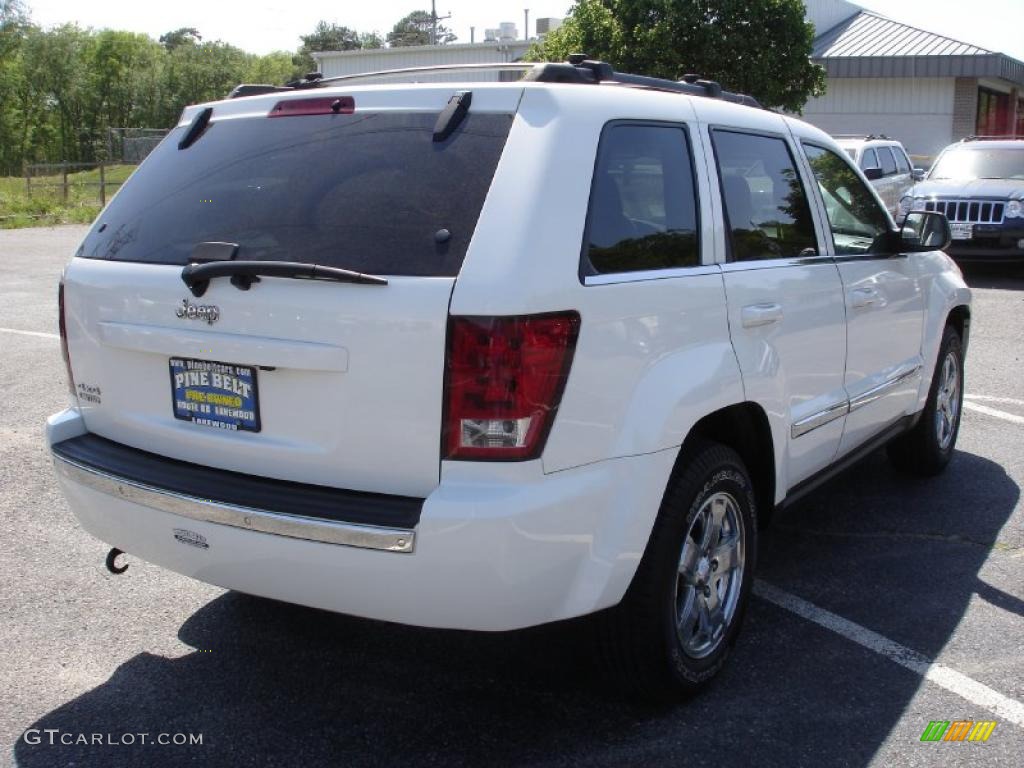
885 163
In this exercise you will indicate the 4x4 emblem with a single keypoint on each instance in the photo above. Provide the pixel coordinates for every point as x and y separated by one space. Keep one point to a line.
208 312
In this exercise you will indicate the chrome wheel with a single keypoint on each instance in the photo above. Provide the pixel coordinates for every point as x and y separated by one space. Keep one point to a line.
710 575
947 397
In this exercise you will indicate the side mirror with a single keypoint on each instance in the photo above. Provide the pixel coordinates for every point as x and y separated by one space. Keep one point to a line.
873 174
917 174
924 231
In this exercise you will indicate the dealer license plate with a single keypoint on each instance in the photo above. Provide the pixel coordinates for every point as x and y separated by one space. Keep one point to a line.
218 395
961 231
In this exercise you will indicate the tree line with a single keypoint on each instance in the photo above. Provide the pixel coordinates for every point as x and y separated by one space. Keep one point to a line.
62 88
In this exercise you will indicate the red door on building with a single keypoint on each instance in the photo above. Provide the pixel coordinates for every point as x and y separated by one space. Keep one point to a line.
996 114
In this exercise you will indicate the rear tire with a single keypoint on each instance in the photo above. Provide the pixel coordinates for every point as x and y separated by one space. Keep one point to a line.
682 613
927 448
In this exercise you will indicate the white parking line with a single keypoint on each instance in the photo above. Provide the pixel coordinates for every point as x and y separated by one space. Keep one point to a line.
946 677
40 334
1010 417
991 399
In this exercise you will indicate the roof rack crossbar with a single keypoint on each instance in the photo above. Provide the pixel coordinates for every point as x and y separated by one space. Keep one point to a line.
579 69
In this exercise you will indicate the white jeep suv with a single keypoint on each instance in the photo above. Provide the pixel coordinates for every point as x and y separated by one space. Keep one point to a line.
491 355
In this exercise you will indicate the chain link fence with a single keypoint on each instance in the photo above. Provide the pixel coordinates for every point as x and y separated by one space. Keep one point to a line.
131 145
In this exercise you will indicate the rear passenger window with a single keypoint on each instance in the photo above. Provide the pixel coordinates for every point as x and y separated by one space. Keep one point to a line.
765 201
888 163
869 159
643 211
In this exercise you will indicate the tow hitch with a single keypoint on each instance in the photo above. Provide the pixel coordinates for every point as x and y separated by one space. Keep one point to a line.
112 555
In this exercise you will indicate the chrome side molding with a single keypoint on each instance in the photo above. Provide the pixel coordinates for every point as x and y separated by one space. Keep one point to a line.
833 412
820 419
259 520
864 398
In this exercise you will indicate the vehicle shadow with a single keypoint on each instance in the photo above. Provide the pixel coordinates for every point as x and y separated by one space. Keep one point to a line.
899 555
274 684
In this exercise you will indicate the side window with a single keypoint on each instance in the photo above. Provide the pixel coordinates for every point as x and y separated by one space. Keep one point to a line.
643 208
765 203
869 159
902 163
858 223
888 163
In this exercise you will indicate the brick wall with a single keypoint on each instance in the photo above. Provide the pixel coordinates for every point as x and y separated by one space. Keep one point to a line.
965 107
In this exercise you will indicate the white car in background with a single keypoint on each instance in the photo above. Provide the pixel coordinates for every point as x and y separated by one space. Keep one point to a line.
885 163
490 355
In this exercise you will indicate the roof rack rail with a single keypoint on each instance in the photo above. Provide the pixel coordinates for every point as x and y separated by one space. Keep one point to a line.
994 137
864 136
579 69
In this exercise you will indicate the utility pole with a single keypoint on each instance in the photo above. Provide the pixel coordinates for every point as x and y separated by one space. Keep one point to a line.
434 18
526 23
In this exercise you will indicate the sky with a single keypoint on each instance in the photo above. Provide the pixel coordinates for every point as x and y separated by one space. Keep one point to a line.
261 26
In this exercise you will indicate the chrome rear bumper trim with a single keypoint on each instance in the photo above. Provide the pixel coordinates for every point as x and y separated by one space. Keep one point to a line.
259 520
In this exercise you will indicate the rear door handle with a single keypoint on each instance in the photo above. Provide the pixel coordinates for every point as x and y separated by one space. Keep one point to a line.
760 314
863 297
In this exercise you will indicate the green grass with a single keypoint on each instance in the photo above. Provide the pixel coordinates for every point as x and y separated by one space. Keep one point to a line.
46 205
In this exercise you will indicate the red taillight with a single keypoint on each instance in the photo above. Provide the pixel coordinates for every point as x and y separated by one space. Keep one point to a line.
504 380
63 327
337 105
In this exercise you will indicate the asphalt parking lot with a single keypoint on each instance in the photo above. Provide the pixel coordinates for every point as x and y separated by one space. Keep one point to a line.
885 603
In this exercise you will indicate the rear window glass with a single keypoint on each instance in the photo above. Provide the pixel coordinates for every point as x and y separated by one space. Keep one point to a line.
366 191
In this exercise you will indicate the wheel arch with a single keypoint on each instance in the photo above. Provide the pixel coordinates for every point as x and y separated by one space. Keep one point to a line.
960 318
745 428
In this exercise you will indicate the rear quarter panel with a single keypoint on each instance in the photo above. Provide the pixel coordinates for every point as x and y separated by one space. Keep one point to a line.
653 355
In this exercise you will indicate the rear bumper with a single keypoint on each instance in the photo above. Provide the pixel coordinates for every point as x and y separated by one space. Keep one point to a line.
496 547
297 510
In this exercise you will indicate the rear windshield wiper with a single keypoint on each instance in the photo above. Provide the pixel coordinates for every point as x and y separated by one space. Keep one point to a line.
244 273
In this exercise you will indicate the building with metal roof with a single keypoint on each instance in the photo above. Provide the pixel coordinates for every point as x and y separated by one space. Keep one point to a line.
924 89
334 63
